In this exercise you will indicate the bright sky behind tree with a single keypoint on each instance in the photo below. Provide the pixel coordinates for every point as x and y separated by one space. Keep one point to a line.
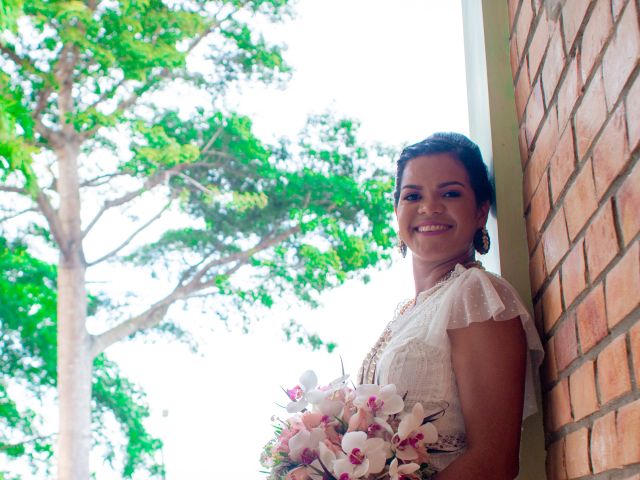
398 67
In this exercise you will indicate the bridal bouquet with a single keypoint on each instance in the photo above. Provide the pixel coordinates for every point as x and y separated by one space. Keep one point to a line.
338 433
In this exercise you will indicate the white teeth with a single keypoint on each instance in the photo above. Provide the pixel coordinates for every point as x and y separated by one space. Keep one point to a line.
432 228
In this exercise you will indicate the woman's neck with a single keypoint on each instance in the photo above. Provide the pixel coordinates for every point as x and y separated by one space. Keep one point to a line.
427 275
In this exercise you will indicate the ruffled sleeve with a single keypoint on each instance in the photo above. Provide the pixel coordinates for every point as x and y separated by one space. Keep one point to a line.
478 296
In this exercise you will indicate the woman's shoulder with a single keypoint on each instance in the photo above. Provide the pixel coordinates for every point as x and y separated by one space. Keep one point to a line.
479 295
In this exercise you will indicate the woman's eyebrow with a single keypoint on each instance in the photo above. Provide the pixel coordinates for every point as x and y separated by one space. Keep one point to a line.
413 187
448 184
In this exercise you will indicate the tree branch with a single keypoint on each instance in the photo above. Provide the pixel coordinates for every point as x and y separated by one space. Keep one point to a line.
14 215
156 313
18 60
151 182
53 220
6 188
130 238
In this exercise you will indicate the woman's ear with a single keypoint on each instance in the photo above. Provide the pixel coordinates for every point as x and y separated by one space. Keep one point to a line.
483 213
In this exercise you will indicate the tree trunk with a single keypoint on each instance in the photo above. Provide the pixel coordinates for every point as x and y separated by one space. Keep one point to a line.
74 358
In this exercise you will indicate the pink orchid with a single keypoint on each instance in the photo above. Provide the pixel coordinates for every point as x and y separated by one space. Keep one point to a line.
401 472
379 401
363 455
303 447
412 435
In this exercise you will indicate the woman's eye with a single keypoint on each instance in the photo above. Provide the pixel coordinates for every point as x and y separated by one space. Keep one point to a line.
411 197
451 194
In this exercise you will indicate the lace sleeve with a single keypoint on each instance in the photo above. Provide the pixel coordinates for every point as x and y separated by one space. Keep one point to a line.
479 296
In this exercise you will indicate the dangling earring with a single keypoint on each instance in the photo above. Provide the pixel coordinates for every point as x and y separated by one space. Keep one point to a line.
481 241
402 248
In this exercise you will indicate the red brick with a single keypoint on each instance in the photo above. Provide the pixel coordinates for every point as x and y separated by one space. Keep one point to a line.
555 241
513 7
601 241
595 35
622 54
539 210
633 119
560 405
513 58
523 146
541 155
627 202
580 201
611 152
570 92
613 370
549 367
572 16
616 7
574 274
562 163
628 430
523 89
537 270
539 44
623 286
553 64
592 319
582 385
590 115
552 304
556 469
566 343
604 443
577 453
523 23
534 112
634 335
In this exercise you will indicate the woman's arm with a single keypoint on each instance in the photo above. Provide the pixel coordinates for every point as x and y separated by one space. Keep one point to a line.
489 361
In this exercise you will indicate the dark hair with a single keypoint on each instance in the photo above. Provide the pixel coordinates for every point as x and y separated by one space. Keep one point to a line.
460 147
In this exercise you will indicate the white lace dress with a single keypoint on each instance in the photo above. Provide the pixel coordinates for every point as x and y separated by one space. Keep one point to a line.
414 351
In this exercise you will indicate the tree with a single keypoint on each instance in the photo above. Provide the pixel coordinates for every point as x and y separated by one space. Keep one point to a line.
84 116
28 361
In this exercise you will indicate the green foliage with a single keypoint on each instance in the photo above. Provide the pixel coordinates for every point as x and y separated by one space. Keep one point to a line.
28 359
293 331
295 218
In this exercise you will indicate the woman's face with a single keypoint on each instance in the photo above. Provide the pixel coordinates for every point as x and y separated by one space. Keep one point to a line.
437 212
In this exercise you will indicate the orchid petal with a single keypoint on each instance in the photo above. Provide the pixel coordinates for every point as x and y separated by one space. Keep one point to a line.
430 433
308 380
361 469
353 440
393 405
315 396
295 407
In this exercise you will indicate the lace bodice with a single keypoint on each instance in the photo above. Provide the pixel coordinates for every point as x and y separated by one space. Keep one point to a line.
416 352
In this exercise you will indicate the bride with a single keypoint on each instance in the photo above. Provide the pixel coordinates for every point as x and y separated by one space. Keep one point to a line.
465 342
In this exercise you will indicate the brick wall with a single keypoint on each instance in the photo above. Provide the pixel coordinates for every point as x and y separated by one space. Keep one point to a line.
575 73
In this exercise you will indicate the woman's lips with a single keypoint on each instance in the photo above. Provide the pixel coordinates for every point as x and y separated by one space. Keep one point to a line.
433 228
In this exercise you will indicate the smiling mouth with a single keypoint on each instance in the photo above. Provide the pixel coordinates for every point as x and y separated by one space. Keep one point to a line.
433 228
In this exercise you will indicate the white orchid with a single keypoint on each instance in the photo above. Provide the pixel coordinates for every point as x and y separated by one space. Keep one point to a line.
363 455
304 445
398 472
307 393
325 460
412 434
380 401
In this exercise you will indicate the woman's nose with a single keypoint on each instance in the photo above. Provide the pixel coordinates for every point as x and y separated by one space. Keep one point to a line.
430 206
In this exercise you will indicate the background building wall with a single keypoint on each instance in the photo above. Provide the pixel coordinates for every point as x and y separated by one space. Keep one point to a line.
577 89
